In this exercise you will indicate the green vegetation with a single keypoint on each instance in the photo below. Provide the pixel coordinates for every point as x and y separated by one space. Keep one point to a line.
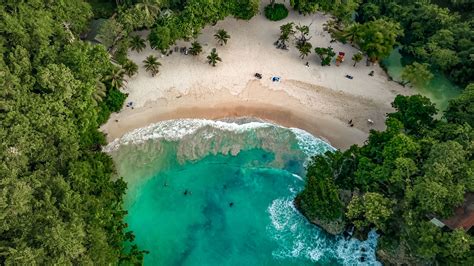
303 31
419 166
325 55
196 48
149 8
377 38
137 43
276 12
59 200
213 58
357 58
116 78
130 68
350 33
102 8
461 109
186 21
417 74
343 10
320 197
304 48
221 37
111 32
152 65
430 33
160 38
302 41
168 21
244 9
370 209
286 31
433 34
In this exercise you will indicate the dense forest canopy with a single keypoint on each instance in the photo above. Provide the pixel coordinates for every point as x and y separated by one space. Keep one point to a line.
440 36
61 204
59 199
419 167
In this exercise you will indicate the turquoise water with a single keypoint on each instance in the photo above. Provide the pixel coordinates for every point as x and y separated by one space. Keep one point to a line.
440 90
220 193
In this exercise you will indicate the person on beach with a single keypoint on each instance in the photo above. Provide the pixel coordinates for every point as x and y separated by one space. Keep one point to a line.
350 123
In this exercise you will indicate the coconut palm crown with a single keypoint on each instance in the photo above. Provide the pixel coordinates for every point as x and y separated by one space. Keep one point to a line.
116 78
222 37
196 48
137 43
152 65
213 57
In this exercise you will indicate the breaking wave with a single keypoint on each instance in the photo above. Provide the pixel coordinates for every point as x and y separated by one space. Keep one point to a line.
297 238
199 137
145 151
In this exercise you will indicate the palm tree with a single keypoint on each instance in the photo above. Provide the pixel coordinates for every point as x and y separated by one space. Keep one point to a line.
351 33
196 48
304 48
213 58
130 68
152 65
99 92
222 36
325 54
286 30
357 58
116 78
137 43
150 8
304 33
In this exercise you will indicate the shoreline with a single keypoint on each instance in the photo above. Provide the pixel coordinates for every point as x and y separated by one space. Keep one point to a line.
259 101
336 133
319 100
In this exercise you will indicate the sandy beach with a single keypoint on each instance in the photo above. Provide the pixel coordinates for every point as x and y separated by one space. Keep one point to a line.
317 99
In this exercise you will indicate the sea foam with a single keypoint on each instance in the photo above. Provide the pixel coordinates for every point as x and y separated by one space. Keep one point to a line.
175 130
310 144
298 238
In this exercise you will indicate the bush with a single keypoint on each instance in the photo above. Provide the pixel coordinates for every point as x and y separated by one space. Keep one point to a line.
112 103
320 199
277 12
160 38
245 9
121 53
101 8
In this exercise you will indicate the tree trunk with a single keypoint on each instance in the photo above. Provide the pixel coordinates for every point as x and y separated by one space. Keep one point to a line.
272 3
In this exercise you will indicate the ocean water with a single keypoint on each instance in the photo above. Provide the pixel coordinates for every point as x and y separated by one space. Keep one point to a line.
206 192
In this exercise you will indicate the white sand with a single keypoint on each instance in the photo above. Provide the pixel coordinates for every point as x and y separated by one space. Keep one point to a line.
318 99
